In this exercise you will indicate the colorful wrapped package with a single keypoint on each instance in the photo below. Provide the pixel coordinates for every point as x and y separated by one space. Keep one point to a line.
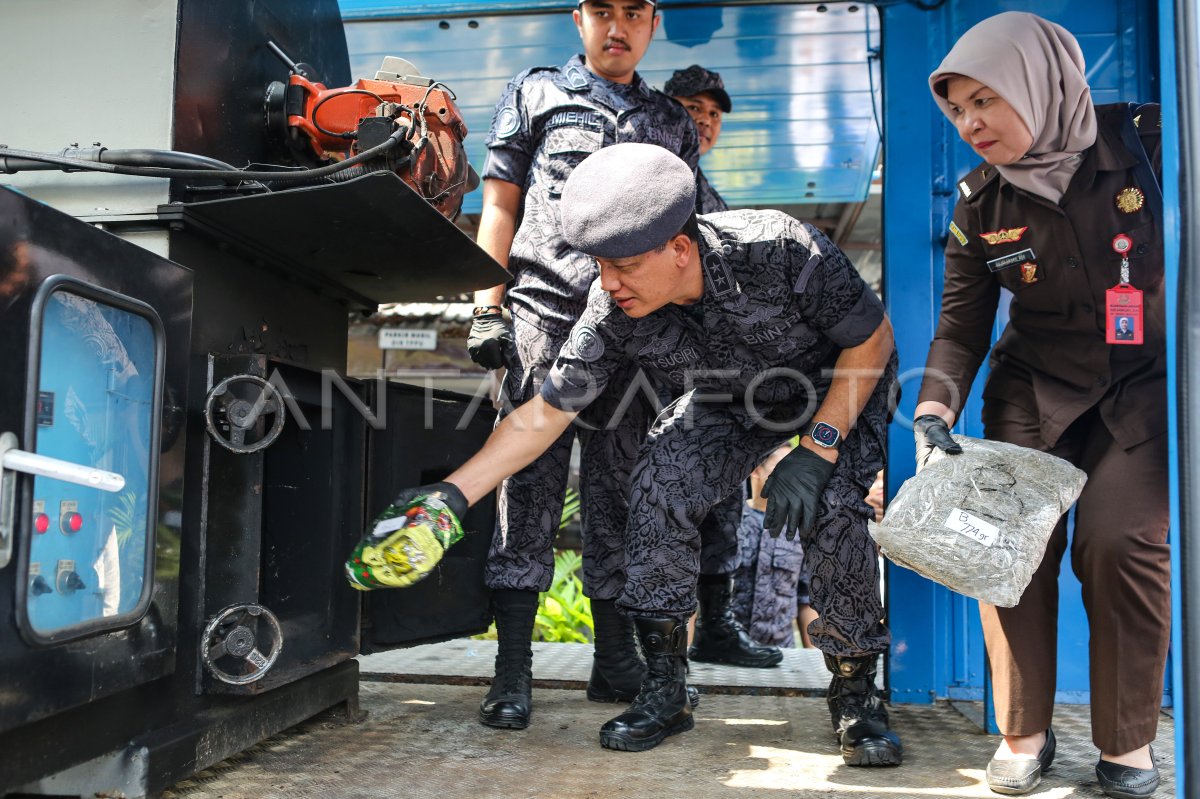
404 544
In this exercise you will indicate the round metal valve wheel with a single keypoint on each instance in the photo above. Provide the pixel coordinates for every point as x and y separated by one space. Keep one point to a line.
241 644
244 413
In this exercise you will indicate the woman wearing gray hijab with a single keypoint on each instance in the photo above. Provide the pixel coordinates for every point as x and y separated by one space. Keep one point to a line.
1064 212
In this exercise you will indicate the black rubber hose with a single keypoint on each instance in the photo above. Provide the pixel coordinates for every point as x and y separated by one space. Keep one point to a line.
103 155
10 161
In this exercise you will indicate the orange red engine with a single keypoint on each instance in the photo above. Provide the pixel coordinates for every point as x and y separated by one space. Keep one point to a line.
324 125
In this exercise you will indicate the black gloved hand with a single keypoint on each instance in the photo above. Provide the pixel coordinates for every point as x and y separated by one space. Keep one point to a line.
447 492
490 342
793 492
932 433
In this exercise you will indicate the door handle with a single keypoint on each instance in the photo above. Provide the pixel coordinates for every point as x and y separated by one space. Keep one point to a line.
13 460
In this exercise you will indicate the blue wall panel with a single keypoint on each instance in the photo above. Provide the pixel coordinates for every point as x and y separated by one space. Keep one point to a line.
805 91
938 647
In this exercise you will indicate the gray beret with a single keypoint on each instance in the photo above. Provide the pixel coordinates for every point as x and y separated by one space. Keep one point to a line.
626 199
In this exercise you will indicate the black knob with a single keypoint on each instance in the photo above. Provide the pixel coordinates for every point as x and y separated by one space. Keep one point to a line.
39 586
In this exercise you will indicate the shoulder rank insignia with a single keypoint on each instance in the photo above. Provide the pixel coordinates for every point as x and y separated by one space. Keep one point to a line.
576 77
1004 235
1130 200
958 234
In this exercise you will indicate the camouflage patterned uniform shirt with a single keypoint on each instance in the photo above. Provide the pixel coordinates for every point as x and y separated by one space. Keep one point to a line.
550 119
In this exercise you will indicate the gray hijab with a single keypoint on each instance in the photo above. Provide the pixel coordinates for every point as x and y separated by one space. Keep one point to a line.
1037 67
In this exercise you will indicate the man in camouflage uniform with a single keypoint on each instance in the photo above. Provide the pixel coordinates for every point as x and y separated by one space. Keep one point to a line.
764 328
548 120
702 93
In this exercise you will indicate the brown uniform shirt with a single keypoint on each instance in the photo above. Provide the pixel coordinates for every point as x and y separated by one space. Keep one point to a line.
1052 357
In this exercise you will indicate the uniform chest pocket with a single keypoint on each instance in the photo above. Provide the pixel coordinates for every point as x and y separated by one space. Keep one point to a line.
562 150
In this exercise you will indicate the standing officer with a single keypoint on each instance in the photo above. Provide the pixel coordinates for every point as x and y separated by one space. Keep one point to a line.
1065 214
550 119
756 320
720 635
702 93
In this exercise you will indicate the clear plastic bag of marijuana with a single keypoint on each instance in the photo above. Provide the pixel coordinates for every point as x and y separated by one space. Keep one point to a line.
978 523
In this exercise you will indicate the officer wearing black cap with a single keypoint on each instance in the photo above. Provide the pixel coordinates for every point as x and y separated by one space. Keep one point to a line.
548 120
702 92
758 308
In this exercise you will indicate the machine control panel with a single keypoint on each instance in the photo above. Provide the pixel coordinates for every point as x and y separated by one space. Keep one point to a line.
90 547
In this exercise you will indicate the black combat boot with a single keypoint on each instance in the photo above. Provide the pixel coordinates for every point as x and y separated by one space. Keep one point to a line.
617 667
509 703
661 708
720 637
860 721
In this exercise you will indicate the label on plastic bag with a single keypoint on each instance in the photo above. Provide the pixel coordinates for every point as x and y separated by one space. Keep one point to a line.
388 525
972 527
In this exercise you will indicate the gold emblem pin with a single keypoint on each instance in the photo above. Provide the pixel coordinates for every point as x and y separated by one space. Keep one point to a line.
1004 236
1029 273
1130 200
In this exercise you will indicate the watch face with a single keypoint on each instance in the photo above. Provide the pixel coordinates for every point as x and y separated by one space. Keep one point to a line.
825 434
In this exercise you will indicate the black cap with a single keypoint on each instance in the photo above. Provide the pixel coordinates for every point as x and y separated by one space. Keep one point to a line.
647 2
698 80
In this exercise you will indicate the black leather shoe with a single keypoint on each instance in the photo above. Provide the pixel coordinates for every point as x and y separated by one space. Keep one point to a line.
1015 777
1127 782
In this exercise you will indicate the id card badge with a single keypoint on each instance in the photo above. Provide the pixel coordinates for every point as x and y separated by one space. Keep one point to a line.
1124 317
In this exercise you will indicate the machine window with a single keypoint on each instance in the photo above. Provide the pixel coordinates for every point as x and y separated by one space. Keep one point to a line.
90 549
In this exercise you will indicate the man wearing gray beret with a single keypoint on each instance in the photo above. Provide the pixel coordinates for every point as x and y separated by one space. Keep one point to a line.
702 94
547 121
766 330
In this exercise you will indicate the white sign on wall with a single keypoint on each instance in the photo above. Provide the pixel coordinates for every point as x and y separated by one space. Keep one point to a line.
399 338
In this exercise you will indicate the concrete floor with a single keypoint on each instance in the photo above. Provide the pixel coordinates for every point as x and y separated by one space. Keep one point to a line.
421 739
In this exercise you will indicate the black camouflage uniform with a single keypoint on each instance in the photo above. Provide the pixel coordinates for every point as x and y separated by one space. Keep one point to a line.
550 119
780 304
708 201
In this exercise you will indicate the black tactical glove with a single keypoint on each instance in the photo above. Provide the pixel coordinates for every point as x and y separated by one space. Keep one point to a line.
932 433
793 492
447 492
491 341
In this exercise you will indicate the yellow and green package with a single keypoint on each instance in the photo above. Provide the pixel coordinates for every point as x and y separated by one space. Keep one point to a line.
404 544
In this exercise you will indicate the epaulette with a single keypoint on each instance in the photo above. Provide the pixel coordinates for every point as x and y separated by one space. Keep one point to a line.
521 76
973 182
1148 118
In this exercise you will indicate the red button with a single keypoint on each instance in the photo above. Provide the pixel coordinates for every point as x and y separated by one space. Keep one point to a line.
72 522
41 523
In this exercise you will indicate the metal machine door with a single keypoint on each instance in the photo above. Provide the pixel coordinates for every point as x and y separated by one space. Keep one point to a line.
90 488
426 436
